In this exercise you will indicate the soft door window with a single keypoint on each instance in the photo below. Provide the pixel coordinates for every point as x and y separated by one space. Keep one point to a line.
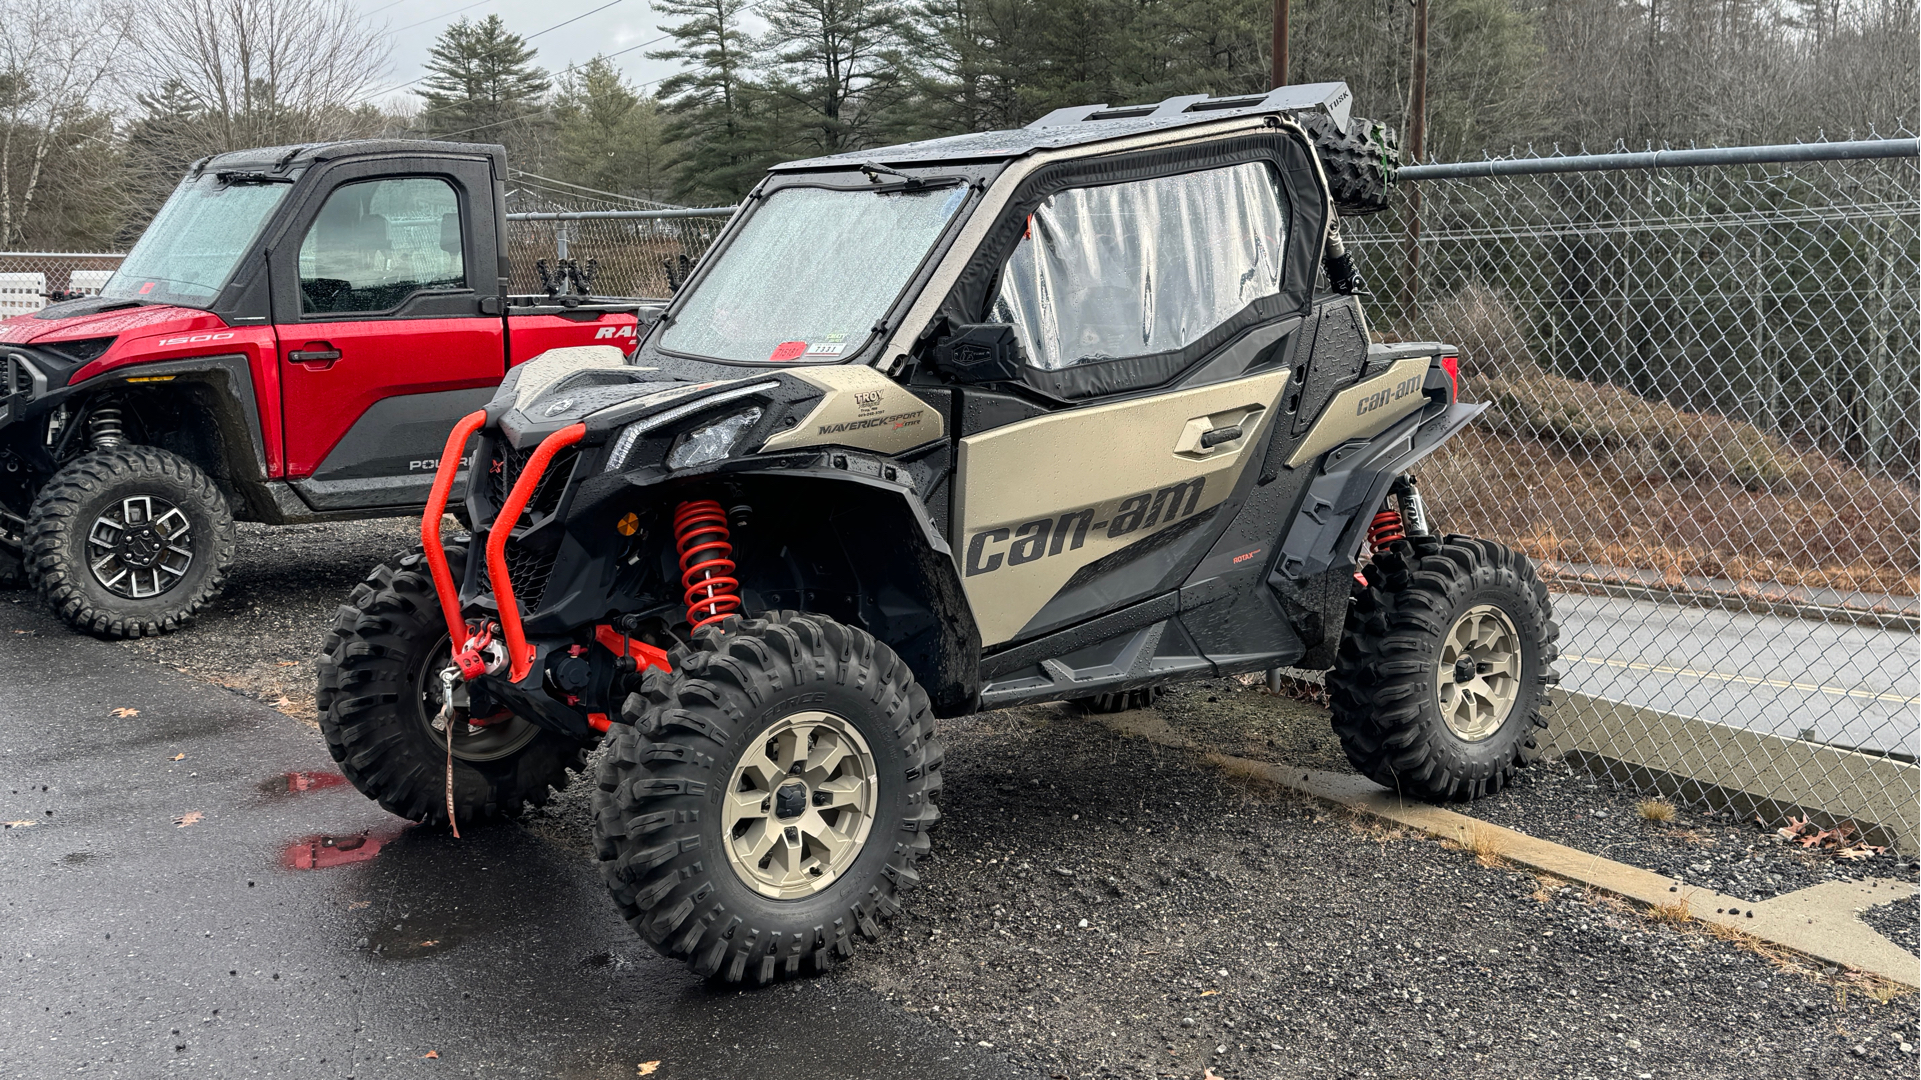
378 242
1145 267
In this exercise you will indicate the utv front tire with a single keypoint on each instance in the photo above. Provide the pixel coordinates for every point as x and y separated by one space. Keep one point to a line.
770 798
1443 670
129 541
379 695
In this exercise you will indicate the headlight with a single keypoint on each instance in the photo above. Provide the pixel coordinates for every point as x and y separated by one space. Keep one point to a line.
711 442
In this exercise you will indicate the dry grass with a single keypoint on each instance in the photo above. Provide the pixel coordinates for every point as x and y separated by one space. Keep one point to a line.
1657 810
1573 471
1673 913
1545 886
1486 845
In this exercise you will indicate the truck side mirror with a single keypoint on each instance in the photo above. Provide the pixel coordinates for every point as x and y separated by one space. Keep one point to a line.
981 353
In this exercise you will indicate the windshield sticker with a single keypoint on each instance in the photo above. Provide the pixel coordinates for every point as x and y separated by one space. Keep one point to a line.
826 348
787 350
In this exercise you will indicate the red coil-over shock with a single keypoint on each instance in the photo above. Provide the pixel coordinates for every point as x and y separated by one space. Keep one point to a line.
1385 529
706 571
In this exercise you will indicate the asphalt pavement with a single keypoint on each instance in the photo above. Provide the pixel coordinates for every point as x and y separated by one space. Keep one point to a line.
1797 678
189 891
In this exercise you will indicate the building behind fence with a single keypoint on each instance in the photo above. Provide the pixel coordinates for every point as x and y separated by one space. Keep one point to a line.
1704 377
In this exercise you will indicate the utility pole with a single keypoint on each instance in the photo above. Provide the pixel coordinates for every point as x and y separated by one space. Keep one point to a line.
1416 152
1280 43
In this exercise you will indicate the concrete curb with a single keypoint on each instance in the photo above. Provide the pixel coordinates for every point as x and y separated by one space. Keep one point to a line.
1818 922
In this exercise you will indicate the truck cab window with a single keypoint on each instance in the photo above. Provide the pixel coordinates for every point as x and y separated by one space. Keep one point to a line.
378 242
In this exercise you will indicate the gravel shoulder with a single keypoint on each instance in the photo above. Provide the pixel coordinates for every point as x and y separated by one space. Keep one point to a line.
1096 905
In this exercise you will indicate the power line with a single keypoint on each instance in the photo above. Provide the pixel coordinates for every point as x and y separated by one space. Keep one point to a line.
442 15
575 19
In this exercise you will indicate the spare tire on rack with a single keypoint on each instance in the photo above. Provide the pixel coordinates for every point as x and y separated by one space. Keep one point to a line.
1360 163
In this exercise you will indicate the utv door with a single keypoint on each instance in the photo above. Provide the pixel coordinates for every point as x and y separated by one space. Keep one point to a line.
384 342
1115 293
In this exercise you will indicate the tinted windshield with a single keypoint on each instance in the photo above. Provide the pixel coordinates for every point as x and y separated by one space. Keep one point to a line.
193 244
810 274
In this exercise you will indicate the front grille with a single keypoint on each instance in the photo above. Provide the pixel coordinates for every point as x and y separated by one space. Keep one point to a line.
529 571
552 485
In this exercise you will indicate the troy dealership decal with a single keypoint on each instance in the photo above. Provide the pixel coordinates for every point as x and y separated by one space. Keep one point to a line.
1033 540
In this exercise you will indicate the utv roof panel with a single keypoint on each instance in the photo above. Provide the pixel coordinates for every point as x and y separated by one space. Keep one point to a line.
1084 124
282 159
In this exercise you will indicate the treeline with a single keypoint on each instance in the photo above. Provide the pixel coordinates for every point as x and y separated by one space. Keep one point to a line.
104 102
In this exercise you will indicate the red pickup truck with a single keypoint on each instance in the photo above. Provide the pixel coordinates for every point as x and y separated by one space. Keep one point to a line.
289 341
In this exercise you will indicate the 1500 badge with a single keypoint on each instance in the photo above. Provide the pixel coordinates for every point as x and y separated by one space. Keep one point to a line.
1037 539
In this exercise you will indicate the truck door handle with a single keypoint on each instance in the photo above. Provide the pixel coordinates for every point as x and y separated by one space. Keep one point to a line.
317 356
1216 436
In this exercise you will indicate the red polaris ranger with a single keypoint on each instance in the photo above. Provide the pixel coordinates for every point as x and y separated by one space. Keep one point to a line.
289 341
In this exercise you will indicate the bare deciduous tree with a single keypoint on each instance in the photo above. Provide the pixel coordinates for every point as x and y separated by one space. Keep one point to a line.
55 56
260 72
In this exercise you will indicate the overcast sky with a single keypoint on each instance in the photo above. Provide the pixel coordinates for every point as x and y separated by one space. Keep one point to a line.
413 24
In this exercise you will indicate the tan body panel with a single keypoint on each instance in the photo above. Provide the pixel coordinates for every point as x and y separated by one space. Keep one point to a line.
864 410
1365 409
1040 499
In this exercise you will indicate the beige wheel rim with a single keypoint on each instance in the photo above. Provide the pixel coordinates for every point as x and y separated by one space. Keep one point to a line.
1478 677
799 806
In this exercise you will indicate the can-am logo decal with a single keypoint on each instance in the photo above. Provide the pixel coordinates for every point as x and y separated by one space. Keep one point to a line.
606 332
1392 394
560 406
896 422
1037 539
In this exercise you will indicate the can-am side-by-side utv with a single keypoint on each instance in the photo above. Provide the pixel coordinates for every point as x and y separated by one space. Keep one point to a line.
1049 414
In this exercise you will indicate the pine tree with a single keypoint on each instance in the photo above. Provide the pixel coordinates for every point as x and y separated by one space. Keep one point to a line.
607 136
839 65
722 147
482 85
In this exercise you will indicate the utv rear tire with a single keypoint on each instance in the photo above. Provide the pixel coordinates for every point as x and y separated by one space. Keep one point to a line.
686 879
88 500
1360 164
1404 722
376 667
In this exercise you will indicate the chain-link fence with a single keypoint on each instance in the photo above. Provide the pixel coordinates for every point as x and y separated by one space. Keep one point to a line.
634 252
1703 367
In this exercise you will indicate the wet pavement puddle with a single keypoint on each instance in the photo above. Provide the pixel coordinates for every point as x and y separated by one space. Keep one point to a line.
321 851
294 783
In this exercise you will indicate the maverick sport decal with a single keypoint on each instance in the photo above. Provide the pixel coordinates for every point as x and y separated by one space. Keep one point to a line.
1037 539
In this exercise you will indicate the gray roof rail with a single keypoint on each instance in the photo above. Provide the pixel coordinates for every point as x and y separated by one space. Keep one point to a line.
1332 98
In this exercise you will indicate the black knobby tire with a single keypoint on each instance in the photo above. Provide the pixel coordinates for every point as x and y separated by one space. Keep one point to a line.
385 640
1360 164
1382 691
657 823
91 486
